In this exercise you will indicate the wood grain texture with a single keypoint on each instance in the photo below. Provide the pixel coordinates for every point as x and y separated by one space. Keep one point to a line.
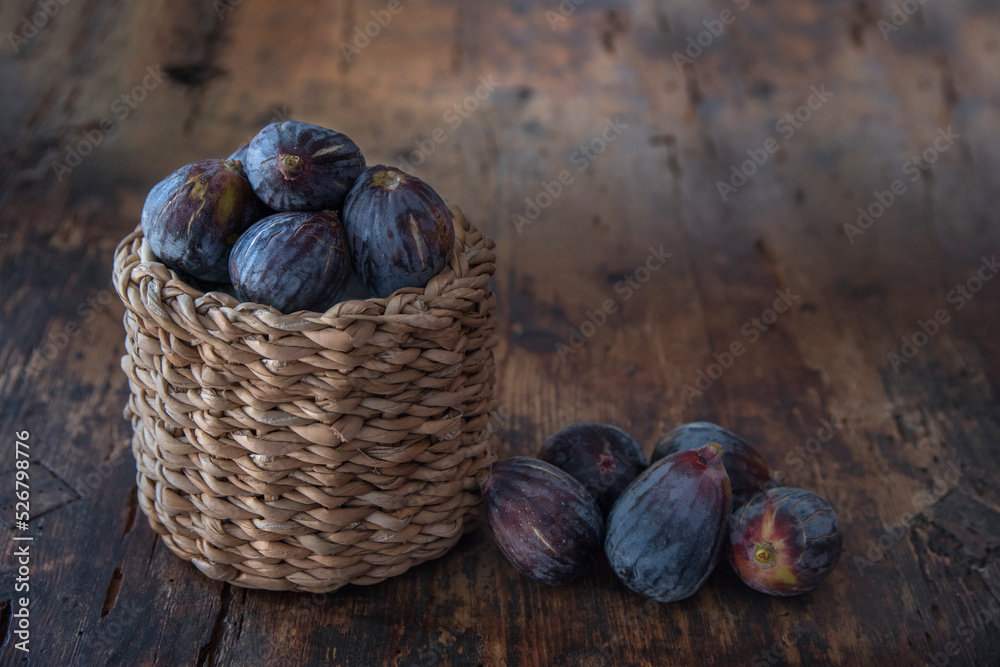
911 468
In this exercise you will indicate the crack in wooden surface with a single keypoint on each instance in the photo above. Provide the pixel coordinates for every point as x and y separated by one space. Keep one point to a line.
208 655
111 595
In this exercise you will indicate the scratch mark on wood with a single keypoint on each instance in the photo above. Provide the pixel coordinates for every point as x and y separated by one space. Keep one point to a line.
111 597
152 552
133 504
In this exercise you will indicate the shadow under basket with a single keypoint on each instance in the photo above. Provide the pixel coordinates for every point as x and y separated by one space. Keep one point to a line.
308 451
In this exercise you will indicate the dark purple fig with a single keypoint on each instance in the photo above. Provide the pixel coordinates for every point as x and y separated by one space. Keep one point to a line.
192 218
604 458
666 531
544 521
292 261
400 231
747 469
785 541
295 166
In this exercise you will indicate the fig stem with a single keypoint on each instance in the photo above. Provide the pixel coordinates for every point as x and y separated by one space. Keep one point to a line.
235 165
390 179
291 165
709 452
763 554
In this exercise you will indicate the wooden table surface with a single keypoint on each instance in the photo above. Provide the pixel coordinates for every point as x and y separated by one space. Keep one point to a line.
667 183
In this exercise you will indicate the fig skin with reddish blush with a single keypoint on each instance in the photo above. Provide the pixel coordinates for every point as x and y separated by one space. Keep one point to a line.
785 541
748 470
544 521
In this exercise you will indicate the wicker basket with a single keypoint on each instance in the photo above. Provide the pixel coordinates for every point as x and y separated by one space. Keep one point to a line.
305 452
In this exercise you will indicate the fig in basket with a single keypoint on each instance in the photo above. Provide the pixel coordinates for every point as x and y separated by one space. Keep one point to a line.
747 469
295 166
544 521
604 458
292 261
192 218
784 541
399 229
666 531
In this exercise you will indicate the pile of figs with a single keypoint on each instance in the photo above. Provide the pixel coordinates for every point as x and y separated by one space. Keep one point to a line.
663 525
292 215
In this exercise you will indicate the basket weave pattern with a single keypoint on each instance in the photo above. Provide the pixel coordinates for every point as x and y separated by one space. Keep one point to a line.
304 452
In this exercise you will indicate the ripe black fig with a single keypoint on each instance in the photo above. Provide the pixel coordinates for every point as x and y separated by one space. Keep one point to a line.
192 218
784 541
292 261
544 521
295 166
400 230
604 458
666 531
747 469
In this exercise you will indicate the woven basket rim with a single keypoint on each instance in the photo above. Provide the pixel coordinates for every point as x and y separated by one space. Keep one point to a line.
469 267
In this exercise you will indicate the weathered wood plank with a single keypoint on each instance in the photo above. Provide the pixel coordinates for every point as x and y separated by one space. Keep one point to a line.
597 321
